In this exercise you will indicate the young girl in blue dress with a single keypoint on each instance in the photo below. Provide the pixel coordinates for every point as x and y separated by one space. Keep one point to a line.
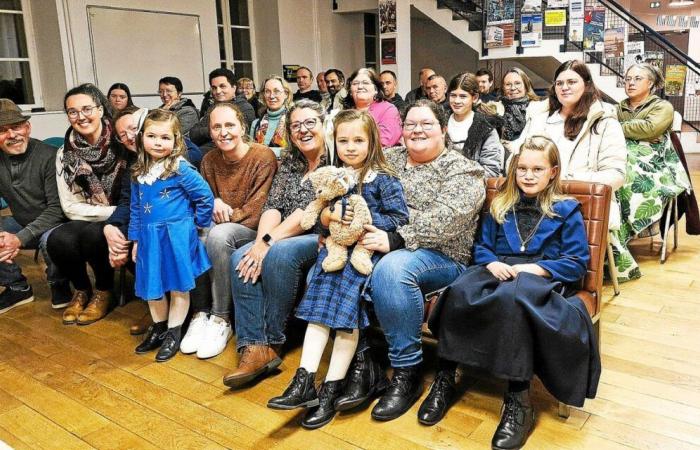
513 313
169 199
333 299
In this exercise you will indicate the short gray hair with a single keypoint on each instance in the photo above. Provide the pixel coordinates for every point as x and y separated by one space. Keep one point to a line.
652 72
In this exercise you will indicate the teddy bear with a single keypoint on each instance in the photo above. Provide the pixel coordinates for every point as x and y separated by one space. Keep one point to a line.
332 184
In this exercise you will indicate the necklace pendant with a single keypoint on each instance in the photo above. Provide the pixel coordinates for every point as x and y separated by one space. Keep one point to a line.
522 248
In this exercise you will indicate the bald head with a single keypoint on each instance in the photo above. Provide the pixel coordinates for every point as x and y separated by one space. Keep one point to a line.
423 75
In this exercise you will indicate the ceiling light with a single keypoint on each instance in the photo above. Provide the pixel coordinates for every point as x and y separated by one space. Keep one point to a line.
679 3
655 5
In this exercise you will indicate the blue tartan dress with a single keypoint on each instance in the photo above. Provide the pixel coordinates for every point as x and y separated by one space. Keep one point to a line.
334 298
164 213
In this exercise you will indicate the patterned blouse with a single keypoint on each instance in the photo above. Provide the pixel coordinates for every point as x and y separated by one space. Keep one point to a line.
444 200
289 191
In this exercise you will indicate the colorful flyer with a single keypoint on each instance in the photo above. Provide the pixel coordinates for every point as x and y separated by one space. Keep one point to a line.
500 35
500 12
387 16
593 23
576 29
675 79
389 50
555 18
614 42
530 29
634 53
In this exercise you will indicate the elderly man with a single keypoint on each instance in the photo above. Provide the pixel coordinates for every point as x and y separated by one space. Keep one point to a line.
28 185
422 90
305 79
389 85
437 92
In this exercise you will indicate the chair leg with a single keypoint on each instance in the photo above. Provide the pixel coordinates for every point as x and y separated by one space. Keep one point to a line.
612 269
564 410
667 224
675 222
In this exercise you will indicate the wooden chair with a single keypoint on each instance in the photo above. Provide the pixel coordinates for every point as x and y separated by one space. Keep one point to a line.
595 208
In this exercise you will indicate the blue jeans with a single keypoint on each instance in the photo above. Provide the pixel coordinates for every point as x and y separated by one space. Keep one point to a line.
262 309
11 273
397 287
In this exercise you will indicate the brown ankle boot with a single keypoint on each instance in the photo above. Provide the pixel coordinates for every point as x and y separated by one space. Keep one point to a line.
256 361
96 309
75 307
141 325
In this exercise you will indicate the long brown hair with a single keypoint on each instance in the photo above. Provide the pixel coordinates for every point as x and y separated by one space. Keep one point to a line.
509 193
144 162
375 156
574 122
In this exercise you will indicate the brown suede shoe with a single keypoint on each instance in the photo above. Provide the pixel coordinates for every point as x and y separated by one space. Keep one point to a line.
96 309
141 325
75 307
256 361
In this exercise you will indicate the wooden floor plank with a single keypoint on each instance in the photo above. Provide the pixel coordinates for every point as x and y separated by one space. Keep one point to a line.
39 432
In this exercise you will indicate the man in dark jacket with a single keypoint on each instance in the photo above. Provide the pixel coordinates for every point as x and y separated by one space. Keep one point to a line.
422 90
389 86
223 89
305 79
28 185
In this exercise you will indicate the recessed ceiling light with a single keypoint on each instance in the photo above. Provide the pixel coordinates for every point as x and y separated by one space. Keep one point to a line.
679 3
654 4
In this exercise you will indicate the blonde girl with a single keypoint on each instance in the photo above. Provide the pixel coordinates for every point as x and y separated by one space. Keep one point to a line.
169 200
333 299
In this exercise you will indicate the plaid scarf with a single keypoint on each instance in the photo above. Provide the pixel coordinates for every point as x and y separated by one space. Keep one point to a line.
93 170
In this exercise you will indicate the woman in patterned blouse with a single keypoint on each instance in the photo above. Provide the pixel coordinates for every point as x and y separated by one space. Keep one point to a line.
268 273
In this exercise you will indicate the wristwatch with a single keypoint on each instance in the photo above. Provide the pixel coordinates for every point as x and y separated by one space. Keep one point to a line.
268 239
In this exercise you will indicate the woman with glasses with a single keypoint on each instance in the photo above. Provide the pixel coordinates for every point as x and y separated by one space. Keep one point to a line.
269 129
517 95
240 175
170 92
470 131
268 274
366 94
445 192
90 168
655 173
247 87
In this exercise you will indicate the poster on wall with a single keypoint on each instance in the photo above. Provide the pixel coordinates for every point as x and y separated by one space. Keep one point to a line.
530 29
531 6
388 50
289 72
500 12
575 9
500 35
614 42
387 16
551 4
675 79
555 18
634 53
576 29
656 59
593 23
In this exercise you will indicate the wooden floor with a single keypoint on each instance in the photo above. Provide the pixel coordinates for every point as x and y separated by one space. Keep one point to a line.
72 387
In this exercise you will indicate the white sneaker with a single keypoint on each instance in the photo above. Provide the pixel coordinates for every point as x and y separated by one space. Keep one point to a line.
215 338
195 333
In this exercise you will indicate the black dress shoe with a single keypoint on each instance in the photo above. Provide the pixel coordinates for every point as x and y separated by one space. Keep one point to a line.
325 411
154 338
171 344
364 381
517 420
441 396
300 393
403 391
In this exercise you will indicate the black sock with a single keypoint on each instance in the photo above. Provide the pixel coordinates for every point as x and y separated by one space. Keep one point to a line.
518 386
176 332
160 327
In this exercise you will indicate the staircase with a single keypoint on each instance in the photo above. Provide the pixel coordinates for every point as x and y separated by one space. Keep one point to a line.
555 48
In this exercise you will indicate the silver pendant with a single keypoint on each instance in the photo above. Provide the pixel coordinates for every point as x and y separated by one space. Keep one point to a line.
522 248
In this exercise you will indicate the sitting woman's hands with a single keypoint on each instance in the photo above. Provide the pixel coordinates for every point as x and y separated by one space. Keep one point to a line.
533 269
327 216
222 211
375 239
502 271
250 265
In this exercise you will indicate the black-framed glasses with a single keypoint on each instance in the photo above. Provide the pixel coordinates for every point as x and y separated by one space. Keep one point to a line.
87 111
309 124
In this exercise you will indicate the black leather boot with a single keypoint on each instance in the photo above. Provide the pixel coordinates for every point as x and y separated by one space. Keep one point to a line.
517 420
325 411
300 393
171 344
364 381
403 391
441 396
154 338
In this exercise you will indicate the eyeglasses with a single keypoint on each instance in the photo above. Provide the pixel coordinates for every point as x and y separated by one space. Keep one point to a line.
361 83
223 129
537 172
514 84
16 127
87 111
636 80
425 126
127 134
569 83
275 93
309 124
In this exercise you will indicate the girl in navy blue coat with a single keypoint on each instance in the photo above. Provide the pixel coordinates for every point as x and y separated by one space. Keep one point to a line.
509 314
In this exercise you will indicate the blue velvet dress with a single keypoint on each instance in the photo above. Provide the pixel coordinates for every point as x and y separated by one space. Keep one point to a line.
333 298
163 217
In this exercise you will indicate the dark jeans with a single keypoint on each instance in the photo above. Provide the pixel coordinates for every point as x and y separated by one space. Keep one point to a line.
76 243
11 273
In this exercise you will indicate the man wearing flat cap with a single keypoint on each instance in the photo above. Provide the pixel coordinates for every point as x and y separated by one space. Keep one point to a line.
28 185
